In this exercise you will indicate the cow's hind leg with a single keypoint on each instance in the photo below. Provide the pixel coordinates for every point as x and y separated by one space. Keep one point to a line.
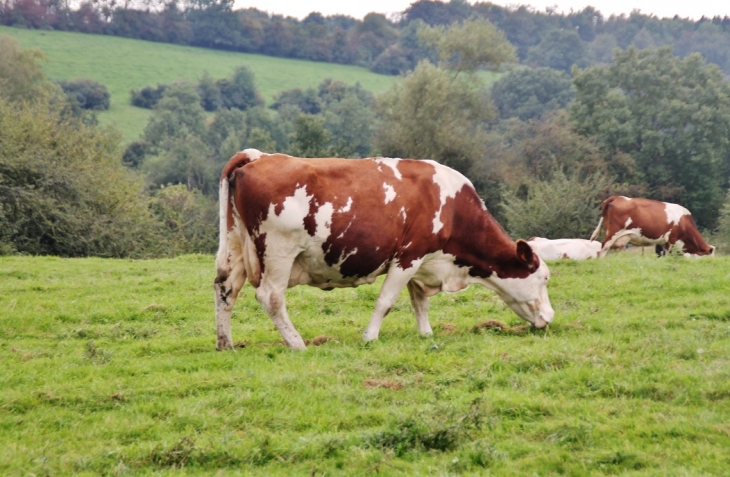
395 281
420 303
227 284
271 293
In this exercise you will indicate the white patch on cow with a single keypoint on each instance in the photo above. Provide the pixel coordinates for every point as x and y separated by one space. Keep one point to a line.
323 219
347 207
450 183
575 249
403 213
389 193
628 223
252 154
392 163
674 213
294 209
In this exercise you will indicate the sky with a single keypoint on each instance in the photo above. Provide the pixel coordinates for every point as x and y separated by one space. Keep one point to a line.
693 9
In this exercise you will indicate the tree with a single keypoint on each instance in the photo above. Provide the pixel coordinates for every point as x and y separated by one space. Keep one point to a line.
210 95
529 93
178 114
468 46
432 114
560 50
441 113
239 91
672 116
311 139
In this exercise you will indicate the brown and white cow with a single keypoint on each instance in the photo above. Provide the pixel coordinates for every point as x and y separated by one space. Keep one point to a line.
286 221
645 222
556 249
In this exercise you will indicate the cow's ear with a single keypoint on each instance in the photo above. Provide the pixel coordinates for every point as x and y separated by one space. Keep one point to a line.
524 252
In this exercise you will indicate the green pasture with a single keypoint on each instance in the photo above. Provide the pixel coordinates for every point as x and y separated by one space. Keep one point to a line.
123 64
109 368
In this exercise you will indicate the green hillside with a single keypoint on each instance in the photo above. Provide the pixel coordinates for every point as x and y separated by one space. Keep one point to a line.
123 64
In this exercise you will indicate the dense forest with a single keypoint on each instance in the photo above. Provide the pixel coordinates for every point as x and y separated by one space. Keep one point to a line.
385 45
584 107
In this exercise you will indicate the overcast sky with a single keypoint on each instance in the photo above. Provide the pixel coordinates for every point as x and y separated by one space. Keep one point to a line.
693 9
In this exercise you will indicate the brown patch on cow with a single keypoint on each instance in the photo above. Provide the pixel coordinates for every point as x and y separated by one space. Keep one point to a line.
447 328
382 383
319 340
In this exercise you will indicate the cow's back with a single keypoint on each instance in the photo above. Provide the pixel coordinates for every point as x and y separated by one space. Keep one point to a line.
358 214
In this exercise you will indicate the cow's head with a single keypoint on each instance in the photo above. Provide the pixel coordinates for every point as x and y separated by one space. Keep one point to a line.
523 286
709 252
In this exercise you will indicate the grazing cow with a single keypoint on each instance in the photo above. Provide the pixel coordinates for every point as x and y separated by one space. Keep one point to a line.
645 222
575 249
328 223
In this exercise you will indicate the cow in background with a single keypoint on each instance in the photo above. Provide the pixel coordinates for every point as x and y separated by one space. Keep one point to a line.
556 249
645 222
331 223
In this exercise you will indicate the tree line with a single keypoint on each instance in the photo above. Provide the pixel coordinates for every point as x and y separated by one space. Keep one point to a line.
542 146
385 45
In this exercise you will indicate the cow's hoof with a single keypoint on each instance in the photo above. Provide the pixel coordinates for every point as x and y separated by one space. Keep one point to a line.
224 344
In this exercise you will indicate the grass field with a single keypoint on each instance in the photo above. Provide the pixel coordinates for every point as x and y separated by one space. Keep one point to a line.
123 64
109 367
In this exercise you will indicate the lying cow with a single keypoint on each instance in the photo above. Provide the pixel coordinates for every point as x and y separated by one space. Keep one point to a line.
556 249
645 222
330 223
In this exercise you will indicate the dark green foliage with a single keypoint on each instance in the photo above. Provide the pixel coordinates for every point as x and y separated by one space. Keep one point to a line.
210 93
134 154
530 93
311 139
88 94
177 114
560 50
239 91
149 96
306 101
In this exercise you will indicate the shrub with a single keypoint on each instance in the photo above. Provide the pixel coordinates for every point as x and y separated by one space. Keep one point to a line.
64 190
149 96
561 207
86 93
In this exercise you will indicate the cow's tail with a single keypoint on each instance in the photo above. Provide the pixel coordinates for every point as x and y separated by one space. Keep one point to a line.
598 230
604 209
226 220
230 261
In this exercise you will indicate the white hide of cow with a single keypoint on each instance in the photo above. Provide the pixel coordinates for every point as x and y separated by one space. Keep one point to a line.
575 249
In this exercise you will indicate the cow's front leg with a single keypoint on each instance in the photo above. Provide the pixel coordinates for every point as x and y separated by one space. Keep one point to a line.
420 303
395 281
